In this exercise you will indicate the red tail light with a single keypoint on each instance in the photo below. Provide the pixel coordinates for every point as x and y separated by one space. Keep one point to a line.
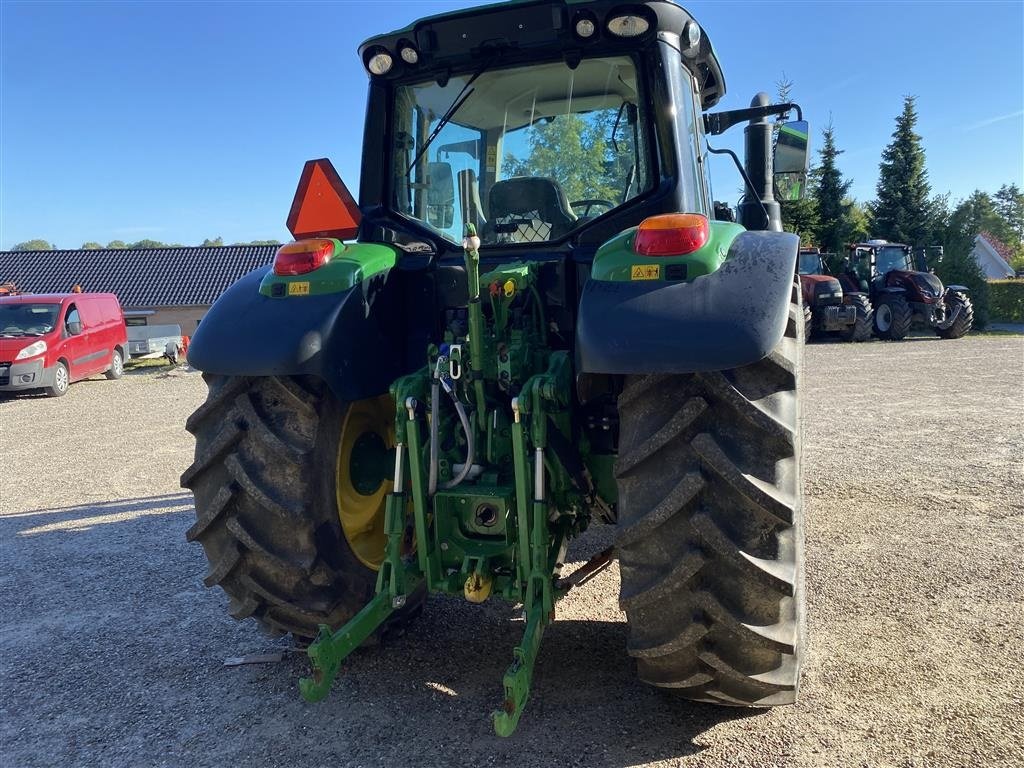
302 256
671 234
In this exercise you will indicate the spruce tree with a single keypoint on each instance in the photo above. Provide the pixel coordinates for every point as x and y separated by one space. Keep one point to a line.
901 211
829 191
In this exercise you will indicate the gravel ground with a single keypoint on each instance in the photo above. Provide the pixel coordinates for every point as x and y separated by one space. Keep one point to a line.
112 650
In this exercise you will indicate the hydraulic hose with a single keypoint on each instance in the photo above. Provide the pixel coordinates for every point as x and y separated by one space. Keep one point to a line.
470 447
435 404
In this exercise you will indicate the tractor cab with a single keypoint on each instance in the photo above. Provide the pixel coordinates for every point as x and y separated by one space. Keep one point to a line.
810 263
544 125
536 123
892 265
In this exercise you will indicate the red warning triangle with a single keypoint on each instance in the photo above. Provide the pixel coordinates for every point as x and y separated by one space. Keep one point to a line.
323 206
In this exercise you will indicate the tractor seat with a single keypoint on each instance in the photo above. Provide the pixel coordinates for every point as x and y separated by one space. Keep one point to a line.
528 209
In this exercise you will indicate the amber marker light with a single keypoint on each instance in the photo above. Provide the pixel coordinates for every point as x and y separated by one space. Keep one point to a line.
671 234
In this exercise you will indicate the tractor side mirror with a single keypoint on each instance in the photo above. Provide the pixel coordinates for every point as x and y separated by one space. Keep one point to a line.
440 195
792 151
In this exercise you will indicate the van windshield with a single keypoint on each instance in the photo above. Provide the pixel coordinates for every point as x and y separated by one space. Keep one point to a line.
25 319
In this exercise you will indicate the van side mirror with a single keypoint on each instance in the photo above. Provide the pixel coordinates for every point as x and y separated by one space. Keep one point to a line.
792 152
440 195
74 327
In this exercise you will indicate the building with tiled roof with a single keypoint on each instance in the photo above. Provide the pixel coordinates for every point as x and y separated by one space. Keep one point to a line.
166 286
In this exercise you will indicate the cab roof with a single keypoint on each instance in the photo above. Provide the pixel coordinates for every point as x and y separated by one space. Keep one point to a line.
458 38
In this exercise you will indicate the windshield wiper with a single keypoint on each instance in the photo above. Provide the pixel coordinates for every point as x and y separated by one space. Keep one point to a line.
449 113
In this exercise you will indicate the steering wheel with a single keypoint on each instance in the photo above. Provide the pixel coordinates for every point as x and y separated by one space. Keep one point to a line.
586 205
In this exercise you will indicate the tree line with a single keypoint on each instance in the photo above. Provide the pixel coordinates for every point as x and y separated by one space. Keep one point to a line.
45 245
904 209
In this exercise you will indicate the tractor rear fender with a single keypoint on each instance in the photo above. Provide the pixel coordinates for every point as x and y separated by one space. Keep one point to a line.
892 289
961 288
728 318
345 337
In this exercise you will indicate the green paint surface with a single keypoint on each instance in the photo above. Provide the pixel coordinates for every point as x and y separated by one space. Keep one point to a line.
615 259
350 265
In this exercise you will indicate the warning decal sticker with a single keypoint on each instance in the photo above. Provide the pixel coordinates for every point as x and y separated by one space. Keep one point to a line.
645 272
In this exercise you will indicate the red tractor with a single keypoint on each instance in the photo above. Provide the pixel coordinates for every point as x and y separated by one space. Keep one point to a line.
902 295
828 308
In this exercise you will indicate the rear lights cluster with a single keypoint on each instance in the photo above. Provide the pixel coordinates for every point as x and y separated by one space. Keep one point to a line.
671 234
303 256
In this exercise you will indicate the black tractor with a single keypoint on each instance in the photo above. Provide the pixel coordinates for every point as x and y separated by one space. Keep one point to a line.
905 291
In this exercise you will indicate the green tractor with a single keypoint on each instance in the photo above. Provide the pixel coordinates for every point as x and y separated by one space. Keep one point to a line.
529 323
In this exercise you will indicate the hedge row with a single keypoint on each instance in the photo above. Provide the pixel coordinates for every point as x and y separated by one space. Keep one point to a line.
1006 301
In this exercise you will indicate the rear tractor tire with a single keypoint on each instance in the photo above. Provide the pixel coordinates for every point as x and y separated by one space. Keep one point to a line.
808 323
964 321
893 316
861 328
291 538
711 544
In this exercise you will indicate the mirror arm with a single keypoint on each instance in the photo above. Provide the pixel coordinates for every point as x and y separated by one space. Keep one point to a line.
716 123
746 179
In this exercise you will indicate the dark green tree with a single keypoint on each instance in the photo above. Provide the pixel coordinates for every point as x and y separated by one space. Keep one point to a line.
215 243
33 245
117 244
1009 204
970 217
147 244
572 150
829 191
938 219
858 221
91 246
900 212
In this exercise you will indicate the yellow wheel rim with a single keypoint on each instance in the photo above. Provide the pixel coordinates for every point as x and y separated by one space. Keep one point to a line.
364 477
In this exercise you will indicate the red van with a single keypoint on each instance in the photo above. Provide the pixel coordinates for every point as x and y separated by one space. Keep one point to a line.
49 340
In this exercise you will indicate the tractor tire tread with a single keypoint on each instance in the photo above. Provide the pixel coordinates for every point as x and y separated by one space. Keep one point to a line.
710 548
264 517
964 321
864 322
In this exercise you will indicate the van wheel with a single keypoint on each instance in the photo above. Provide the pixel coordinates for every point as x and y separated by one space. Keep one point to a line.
116 369
61 381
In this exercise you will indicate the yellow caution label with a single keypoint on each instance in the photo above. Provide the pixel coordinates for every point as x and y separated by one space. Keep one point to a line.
509 288
298 289
645 272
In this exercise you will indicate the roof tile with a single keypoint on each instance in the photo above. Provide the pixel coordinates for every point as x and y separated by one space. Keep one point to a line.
151 277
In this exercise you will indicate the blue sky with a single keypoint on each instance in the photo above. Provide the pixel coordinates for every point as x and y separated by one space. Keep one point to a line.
181 121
